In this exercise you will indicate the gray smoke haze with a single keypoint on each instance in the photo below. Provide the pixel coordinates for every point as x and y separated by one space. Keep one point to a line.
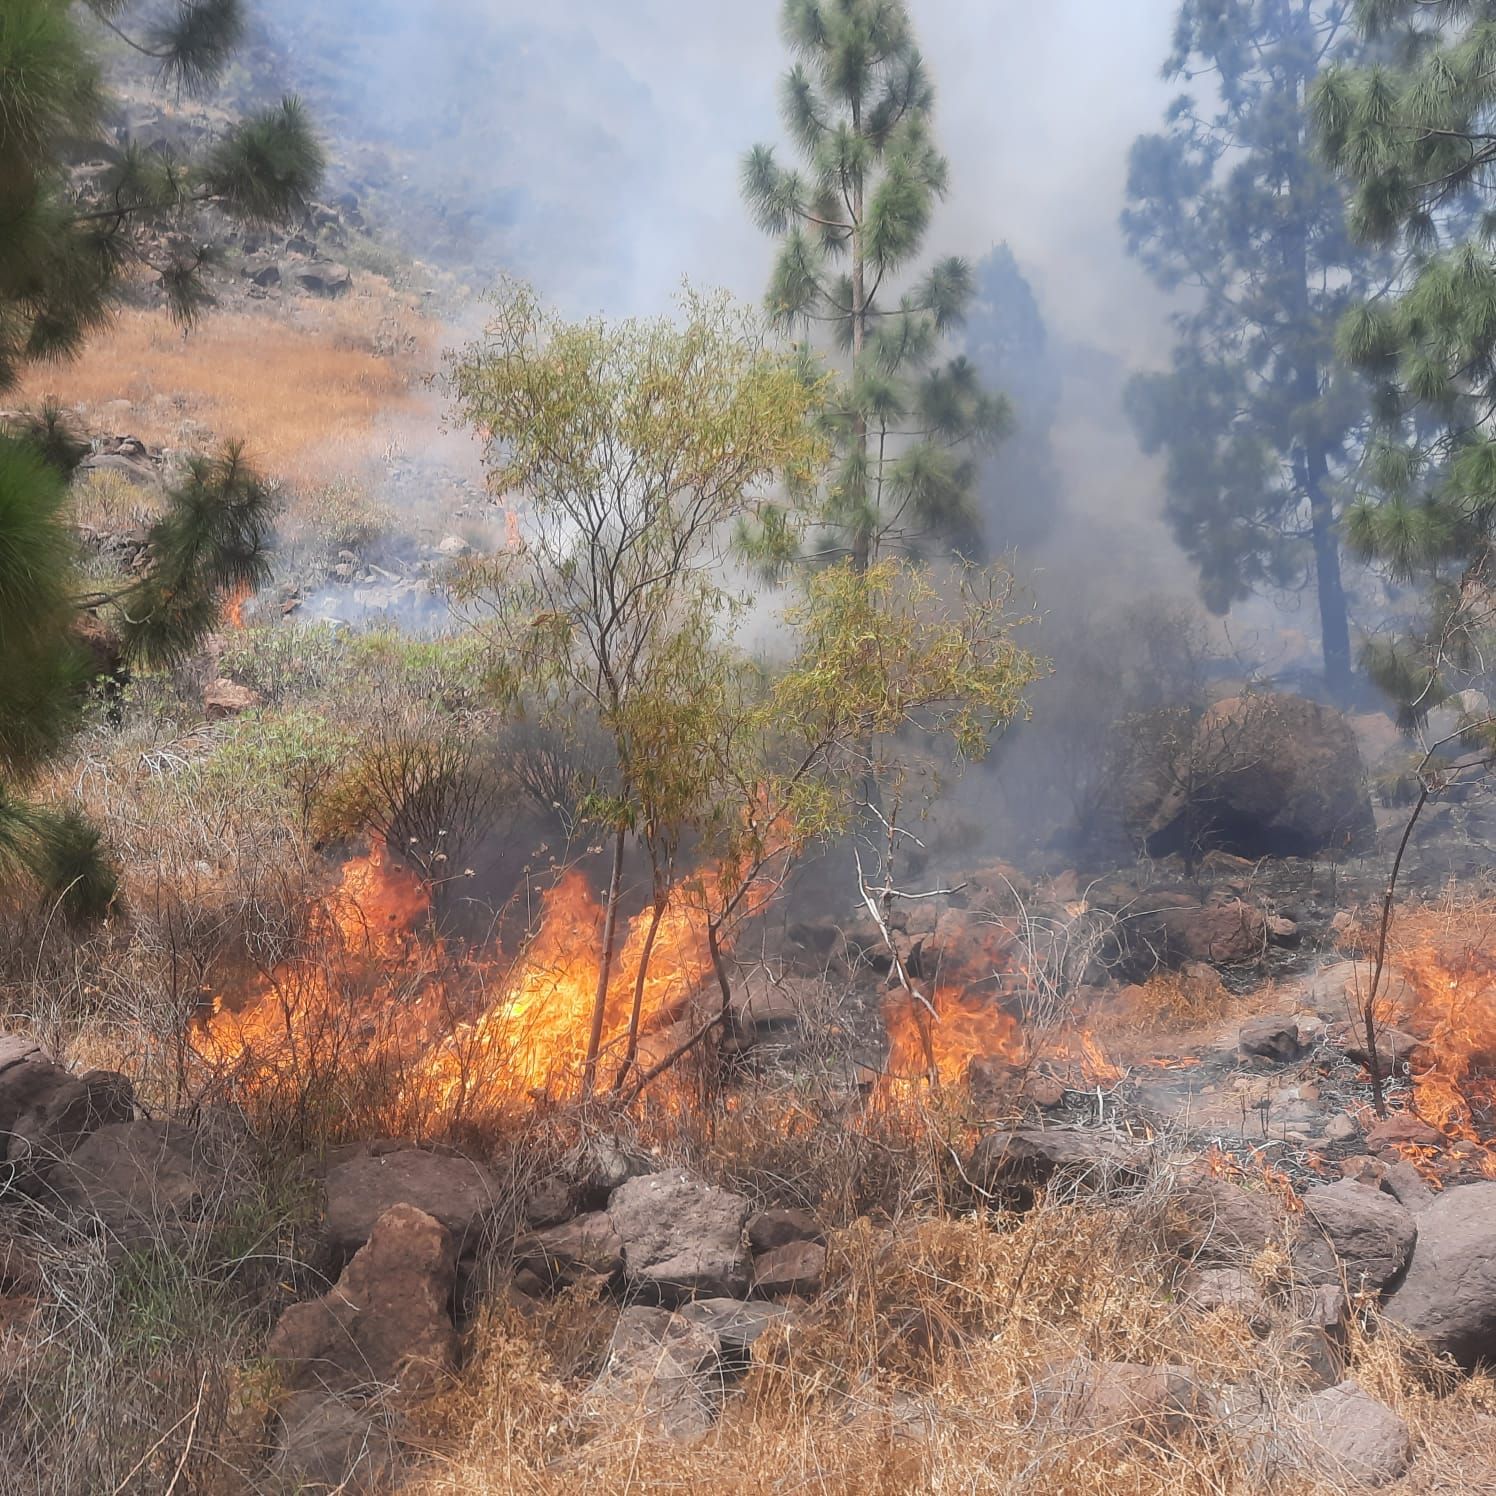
593 145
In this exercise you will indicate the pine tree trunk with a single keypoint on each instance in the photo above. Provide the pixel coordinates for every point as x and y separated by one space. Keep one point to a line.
605 967
1334 620
862 540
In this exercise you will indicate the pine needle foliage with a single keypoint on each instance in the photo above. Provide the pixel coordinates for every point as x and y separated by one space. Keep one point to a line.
1259 422
1412 136
63 249
857 106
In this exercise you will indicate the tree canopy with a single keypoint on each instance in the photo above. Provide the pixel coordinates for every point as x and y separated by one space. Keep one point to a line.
1261 425
858 107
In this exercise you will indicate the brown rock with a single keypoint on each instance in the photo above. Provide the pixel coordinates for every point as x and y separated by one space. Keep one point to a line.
1030 1158
1349 1435
227 698
461 1194
1355 1232
1399 1129
1120 1399
584 1247
795 1268
386 1323
681 1238
331 1444
79 1105
1215 1221
1274 1039
777 1228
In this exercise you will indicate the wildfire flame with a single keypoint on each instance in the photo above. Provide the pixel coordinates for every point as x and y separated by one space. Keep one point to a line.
384 986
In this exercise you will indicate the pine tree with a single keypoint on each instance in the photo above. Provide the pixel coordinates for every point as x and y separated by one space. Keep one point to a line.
1413 137
1260 424
857 105
62 256
1019 488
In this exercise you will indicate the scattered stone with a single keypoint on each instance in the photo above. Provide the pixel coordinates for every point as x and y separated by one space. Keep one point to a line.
795 1268
1348 1435
147 1181
1317 1341
77 1106
1399 1129
585 1247
227 698
452 547
1394 1047
332 1444
461 1194
1282 931
1353 1231
1275 1039
1225 934
736 1324
387 1322
778 1228
267 276
1043 1091
1449 1294
1406 1185
552 1202
681 1238
1120 1399
663 1368
1215 1221
1031 1158
1341 1128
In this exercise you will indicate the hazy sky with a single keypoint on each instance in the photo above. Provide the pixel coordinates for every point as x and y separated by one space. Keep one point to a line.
1036 107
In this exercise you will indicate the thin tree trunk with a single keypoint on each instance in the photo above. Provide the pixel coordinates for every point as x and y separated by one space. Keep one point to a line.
631 1051
862 540
605 966
1334 620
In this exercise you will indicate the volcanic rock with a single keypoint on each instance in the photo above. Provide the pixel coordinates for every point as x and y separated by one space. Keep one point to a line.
1348 1435
585 1247
1119 1398
664 1368
1449 1293
1282 777
1030 1158
777 1228
1394 1047
681 1238
1402 1127
1274 1039
1215 1221
144 1181
461 1194
75 1107
227 698
1229 1288
795 1268
736 1324
324 278
1355 1232
332 1444
267 276
386 1323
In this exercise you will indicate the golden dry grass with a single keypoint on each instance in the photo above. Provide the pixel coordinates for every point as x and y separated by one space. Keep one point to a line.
916 1372
310 393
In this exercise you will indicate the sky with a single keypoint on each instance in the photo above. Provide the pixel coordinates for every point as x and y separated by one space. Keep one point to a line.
601 139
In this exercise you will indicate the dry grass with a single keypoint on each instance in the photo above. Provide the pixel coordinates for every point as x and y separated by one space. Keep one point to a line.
916 1372
310 395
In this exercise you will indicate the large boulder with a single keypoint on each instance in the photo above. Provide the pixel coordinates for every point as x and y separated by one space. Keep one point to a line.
1347 1435
386 1323
1271 776
46 1110
663 1370
585 1247
1353 1231
1449 1294
1216 1222
681 1238
461 1194
149 1181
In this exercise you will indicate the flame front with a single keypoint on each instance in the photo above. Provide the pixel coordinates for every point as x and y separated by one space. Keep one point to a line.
462 1032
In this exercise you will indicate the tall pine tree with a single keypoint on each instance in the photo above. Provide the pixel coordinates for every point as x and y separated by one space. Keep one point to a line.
1260 423
858 105
1413 135
63 253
